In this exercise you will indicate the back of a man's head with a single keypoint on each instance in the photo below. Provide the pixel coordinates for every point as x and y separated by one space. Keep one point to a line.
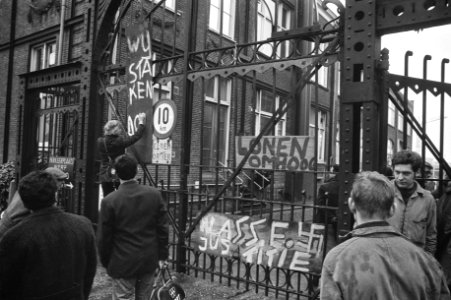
373 194
126 167
37 190
407 157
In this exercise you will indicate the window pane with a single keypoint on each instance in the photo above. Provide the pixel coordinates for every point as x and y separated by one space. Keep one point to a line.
210 88
267 104
214 18
391 113
212 134
224 89
263 121
51 54
226 27
39 59
227 4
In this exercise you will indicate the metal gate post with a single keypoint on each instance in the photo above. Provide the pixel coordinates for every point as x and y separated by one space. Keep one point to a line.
359 108
185 151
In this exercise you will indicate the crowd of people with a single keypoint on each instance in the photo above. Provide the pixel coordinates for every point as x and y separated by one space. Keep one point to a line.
399 247
46 253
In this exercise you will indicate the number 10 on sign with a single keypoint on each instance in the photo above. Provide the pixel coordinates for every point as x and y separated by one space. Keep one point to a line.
164 117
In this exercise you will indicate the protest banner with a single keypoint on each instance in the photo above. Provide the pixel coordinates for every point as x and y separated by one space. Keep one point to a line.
140 86
291 153
296 246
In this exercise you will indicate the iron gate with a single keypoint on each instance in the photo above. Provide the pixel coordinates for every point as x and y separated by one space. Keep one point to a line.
227 89
53 132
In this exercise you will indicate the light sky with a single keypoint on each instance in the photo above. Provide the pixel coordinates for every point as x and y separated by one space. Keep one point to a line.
433 41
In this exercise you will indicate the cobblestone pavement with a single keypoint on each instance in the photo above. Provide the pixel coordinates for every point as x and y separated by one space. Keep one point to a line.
195 289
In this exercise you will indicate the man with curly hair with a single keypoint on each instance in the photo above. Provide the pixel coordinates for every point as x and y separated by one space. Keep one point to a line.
415 213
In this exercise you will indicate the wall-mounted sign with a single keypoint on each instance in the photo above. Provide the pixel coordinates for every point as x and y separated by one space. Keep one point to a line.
140 86
65 164
292 153
296 246
164 116
162 151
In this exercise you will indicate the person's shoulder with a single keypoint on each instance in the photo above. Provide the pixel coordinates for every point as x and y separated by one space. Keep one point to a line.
77 218
344 247
149 189
78 222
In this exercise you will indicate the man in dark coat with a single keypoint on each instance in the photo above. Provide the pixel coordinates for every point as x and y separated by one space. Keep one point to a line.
50 254
328 196
16 210
132 233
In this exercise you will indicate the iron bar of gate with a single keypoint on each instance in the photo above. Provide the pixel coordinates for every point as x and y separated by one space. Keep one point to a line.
423 146
277 115
418 129
185 153
406 98
117 26
442 123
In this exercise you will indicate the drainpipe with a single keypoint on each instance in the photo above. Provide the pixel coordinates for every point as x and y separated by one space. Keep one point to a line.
61 35
9 82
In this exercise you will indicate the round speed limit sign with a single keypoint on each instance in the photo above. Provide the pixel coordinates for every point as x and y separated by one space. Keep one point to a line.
164 117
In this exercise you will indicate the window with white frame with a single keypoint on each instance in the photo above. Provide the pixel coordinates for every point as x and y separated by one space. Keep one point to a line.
169 4
265 107
216 121
320 133
222 10
390 150
43 56
266 18
323 72
337 144
391 114
161 91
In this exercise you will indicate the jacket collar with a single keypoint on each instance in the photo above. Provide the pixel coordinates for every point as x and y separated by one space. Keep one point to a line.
128 183
419 191
47 211
371 228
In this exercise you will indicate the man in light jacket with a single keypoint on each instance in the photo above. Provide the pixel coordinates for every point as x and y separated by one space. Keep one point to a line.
378 262
415 214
